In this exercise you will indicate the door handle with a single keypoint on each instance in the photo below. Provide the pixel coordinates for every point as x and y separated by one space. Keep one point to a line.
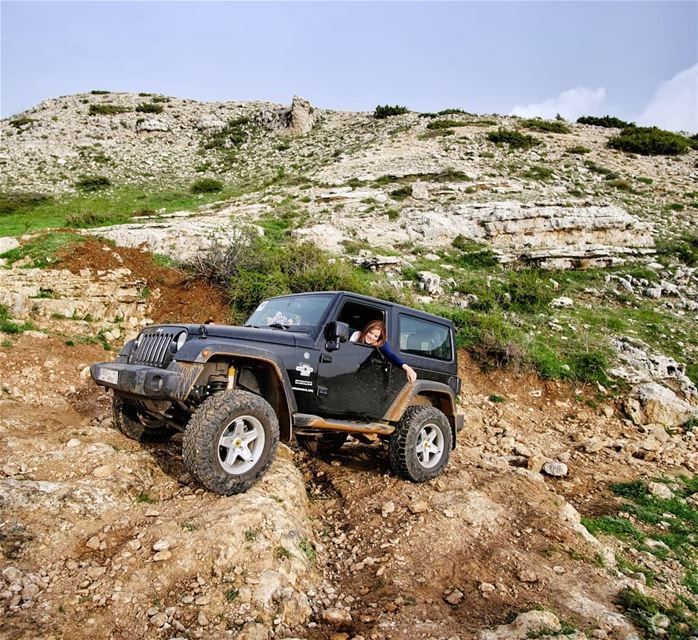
324 357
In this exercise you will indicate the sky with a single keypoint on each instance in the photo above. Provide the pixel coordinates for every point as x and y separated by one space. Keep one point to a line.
637 60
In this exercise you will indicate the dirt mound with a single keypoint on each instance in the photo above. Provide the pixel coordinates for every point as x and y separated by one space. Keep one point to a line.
176 296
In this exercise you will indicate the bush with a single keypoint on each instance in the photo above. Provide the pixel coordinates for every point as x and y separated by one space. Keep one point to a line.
538 172
107 109
548 126
578 149
515 139
386 111
252 268
444 124
206 185
401 193
8 326
450 112
18 123
92 183
649 141
17 202
149 107
684 248
99 92
473 255
609 122
235 132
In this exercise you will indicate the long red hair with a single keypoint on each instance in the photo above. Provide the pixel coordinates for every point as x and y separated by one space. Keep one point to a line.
375 324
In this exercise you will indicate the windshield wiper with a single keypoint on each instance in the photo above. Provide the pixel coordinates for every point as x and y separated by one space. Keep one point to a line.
278 325
254 326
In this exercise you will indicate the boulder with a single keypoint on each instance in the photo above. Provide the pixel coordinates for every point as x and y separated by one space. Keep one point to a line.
7 244
526 625
152 124
651 403
300 119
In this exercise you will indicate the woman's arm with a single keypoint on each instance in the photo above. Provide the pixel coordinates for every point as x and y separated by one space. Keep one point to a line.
397 361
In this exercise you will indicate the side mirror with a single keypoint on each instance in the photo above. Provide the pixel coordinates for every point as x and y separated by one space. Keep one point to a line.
336 333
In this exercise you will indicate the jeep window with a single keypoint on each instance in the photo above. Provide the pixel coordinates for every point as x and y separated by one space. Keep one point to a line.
357 315
424 338
295 313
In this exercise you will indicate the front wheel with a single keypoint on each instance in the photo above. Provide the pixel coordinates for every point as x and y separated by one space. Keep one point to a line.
230 441
420 447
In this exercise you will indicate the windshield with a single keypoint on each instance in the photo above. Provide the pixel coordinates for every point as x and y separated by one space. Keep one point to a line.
291 312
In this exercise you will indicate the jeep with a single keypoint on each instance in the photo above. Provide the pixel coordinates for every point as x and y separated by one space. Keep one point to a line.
290 372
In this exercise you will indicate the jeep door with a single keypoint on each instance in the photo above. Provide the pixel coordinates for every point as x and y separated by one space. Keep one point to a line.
354 379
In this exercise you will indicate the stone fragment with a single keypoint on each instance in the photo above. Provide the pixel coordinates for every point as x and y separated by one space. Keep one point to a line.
660 490
555 469
527 575
387 509
562 302
7 244
160 556
103 471
420 191
159 620
455 597
419 506
526 625
93 543
336 617
161 545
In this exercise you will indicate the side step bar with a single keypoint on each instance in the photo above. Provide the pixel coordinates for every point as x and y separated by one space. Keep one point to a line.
301 420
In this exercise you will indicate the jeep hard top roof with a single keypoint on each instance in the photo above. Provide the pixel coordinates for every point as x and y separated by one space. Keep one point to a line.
370 299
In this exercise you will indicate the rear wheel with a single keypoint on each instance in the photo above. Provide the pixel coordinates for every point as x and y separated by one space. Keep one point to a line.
323 442
136 425
420 447
230 441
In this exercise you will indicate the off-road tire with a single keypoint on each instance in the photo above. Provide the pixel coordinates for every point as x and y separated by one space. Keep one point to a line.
323 443
201 442
403 443
126 420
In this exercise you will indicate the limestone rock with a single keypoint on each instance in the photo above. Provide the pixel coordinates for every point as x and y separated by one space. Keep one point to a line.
652 403
525 625
555 469
7 244
301 117
152 124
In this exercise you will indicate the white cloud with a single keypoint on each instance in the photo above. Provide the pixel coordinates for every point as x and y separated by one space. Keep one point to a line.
675 103
569 104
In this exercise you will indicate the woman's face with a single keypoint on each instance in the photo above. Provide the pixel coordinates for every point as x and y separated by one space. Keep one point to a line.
372 336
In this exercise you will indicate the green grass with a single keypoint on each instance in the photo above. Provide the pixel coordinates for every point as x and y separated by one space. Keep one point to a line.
110 206
444 124
642 610
8 326
145 498
41 251
308 549
106 109
282 552
614 526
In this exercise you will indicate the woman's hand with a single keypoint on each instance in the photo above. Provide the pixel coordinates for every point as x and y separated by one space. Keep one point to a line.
411 373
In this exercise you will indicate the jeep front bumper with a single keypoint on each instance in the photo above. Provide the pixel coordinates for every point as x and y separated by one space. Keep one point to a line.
153 383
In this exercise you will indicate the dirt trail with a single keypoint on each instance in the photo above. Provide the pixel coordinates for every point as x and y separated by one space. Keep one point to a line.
106 537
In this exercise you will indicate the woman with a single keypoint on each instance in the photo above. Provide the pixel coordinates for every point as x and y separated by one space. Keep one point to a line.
375 335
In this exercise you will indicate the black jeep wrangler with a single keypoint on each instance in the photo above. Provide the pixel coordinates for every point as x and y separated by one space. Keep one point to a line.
290 371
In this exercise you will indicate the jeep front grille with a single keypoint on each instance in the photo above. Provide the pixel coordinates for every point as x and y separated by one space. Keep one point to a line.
154 347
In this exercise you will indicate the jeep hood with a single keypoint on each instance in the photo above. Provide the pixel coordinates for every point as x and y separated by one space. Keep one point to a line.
250 334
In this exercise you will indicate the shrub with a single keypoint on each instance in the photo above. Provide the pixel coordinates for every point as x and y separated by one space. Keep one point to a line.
444 124
609 122
99 92
649 141
578 149
159 99
8 326
621 184
16 202
235 132
683 248
538 172
17 123
149 107
401 193
107 109
92 183
449 112
206 185
251 268
548 126
473 255
609 174
386 111
515 139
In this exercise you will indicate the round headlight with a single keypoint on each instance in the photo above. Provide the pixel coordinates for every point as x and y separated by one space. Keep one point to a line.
181 339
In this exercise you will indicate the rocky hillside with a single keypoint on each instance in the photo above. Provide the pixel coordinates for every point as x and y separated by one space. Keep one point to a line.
569 508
